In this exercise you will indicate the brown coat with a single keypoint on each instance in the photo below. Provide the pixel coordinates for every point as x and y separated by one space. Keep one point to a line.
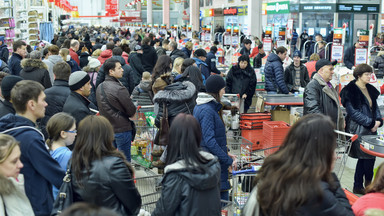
117 96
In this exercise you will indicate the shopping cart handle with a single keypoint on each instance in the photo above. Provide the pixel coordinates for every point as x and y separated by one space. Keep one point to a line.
354 137
254 169
138 108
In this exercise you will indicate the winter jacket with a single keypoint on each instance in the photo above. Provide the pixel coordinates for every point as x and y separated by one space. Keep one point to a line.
109 184
187 52
258 60
137 67
126 80
213 130
77 106
60 41
349 57
241 81
368 201
40 170
211 63
290 77
274 75
379 64
187 193
74 56
106 54
203 69
6 107
4 67
96 46
50 62
177 53
115 104
84 59
13 198
149 58
74 66
36 70
178 98
14 64
145 86
125 57
245 51
311 67
361 118
320 98
4 52
160 51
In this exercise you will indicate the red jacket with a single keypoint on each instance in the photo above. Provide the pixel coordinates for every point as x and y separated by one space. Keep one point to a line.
125 56
106 54
254 53
368 201
311 67
74 55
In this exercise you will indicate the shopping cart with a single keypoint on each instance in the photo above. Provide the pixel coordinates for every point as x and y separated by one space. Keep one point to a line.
150 190
344 141
143 99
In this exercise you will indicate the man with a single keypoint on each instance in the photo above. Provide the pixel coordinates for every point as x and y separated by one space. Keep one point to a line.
258 60
40 170
75 44
311 50
296 74
294 39
4 52
162 50
35 69
77 103
6 86
200 56
321 97
53 59
135 62
303 38
116 41
274 72
246 50
19 52
175 53
349 55
211 61
149 58
115 104
97 45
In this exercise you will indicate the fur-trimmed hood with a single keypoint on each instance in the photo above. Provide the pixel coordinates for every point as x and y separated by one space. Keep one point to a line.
6 185
176 92
33 63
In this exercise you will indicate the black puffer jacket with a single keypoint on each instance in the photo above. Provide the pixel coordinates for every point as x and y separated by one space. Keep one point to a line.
177 53
84 59
290 77
4 67
187 193
77 106
149 58
360 117
379 64
179 98
109 184
35 69
134 61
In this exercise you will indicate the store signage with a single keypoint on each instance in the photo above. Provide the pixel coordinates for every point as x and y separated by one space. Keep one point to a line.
268 32
218 12
337 53
111 7
278 8
230 11
338 36
242 11
130 14
361 56
363 37
267 44
317 7
358 8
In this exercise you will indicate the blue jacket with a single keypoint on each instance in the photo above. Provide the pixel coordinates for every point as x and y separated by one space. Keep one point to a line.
211 62
187 52
213 130
203 69
40 170
14 64
274 75
4 52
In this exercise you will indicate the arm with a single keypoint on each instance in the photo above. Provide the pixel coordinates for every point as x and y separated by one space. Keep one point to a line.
100 76
47 80
348 54
287 80
171 195
252 84
125 102
279 74
311 100
306 76
358 116
228 80
213 66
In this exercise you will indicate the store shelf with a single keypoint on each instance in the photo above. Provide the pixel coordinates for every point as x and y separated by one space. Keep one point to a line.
8 7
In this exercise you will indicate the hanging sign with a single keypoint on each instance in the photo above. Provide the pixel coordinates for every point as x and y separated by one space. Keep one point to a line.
363 37
267 45
361 56
338 36
337 53
111 7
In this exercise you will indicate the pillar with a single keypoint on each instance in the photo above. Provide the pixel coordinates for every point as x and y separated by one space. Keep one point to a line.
194 15
149 12
166 13
254 16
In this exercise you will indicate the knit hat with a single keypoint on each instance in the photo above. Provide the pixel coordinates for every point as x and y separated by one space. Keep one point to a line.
146 76
214 84
35 54
8 83
323 62
78 79
138 47
200 53
116 39
297 53
93 63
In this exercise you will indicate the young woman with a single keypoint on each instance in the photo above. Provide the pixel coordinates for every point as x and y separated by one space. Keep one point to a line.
192 177
176 70
13 201
61 129
161 75
298 178
100 174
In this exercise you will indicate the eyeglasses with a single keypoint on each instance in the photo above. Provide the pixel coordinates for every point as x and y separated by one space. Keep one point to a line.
71 131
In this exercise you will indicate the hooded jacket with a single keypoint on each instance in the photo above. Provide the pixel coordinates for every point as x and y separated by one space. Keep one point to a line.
177 53
35 69
187 193
14 64
137 67
40 170
214 139
6 107
4 67
50 62
290 76
145 85
211 63
274 75
106 54
149 58
4 52
203 69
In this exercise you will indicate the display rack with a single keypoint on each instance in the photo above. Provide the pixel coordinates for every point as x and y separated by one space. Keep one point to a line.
21 18
33 27
7 23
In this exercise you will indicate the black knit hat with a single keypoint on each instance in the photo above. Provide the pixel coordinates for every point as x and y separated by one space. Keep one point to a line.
214 84
78 79
7 84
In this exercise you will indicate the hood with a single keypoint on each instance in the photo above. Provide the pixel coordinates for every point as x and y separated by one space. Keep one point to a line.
54 59
32 64
10 122
146 48
146 85
203 98
6 186
273 57
2 39
198 62
176 92
199 181
120 58
84 54
106 54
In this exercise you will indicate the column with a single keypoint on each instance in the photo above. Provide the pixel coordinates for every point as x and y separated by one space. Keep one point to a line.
166 13
254 15
149 12
194 15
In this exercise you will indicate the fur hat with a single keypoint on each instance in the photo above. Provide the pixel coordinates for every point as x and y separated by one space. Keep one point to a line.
214 84
78 79
7 84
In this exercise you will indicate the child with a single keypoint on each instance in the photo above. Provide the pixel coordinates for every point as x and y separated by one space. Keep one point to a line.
144 85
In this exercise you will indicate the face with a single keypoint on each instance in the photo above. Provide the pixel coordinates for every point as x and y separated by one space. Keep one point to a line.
202 58
117 72
22 51
12 165
69 135
318 38
327 72
365 77
282 55
296 60
87 89
243 64
248 46
222 92
38 107
118 43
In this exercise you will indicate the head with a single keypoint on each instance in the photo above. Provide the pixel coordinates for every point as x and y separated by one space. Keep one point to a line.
243 61
281 52
117 51
162 66
215 86
53 50
93 65
314 57
62 71
79 82
110 46
318 37
247 43
177 64
96 53
146 41
10 164
172 45
7 83
35 55
193 74
157 42
213 49
138 49
200 54
114 68
125 48
186 63
66 44
377 184
75 45
261 48
146 76
28 99
166 44
362 73
82 208
64 53
61 127
116 41
189 45
20 47
297 58
325 69
293 173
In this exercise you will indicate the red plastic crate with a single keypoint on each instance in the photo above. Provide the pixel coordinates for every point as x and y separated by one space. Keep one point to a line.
274 133
253 120
255 136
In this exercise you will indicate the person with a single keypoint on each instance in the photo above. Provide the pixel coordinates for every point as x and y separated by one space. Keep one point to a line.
19 52
208 111
379 64
83 208
193 74
246 50
349 55
321 97
188 62
311 65
61 130
4 52
200 55
274 72
35 69
175 52
187 49
64 53
106 54
258 60
135 62
100 174
374 197
53 59
116 41
296 75
75 45
4 67
13 200
114 102
161 75
162 50
295 36
189 171
83 57
7 84
40 170
241 79
149 57
97 45
176 70
211 61
303 38
92 69
145 85
321 49
297 179
363 118
311 49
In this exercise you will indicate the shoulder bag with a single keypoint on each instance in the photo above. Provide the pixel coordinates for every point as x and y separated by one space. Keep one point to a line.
65 196
162 136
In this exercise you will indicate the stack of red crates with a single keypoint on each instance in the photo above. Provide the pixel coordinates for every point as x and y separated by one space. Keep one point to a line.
251 125
274 133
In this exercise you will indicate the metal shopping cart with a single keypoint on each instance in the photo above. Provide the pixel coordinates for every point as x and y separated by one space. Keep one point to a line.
150 190
344 141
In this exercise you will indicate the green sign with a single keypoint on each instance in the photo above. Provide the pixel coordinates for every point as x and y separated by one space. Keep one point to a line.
278 7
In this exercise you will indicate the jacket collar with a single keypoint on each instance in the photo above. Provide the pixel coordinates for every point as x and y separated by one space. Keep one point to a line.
59 82
17 55
81 97
179 91
180 165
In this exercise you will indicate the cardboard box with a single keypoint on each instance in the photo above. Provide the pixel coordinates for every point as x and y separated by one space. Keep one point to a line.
281 114
259 107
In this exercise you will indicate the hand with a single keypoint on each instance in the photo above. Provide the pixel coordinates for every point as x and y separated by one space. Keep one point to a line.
377 124
244 96
234 163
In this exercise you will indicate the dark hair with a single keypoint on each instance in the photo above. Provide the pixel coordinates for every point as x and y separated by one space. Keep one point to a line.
243 58
117 51
193 74
87 209
185 142
260 46
66 44
24 91
110 45
18 44
377 184
146 41
360 69
281 50
247 41
62 71
110 64
45 51
59 122
292 175
125 48
162 66
213 49
97 40
157 41
186 63
53 49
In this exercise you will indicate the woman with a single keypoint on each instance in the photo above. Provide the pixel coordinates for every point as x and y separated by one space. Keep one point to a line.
176 70
83 57
61 129
374 198
363 118
321 49
100 174
13 201
161 75
297 179
192 177
193 74
92 69
208 112
186 63
241 80
311 65
379 64
35 69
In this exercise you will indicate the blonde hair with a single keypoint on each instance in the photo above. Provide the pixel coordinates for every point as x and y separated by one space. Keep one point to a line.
96 52
314 57
64 52
189 45
7 144
177 63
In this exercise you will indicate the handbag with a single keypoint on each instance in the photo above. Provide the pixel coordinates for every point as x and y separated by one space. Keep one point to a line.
65 196
162 136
